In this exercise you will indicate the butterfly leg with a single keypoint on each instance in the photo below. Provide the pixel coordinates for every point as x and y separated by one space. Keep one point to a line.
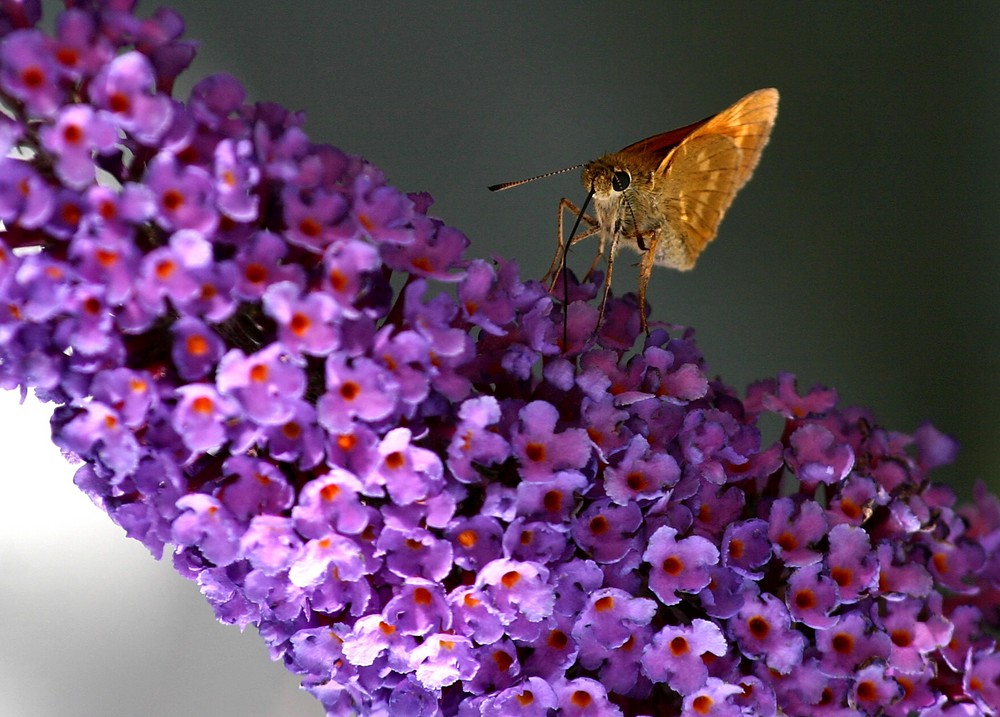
645 270
597 257
607 279
552 275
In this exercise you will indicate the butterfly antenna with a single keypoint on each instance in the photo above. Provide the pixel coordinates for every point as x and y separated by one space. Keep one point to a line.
565 270
507 185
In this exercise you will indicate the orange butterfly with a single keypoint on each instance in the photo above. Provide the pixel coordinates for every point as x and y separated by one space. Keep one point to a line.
665 196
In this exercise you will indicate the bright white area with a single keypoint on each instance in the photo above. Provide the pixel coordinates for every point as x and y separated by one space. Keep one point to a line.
93 625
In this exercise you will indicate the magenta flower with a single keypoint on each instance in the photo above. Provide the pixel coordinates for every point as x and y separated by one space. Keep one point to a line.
265 383
676 654
534 697
185 195
196 348
607 531
640 474
849 643
306 324
715 699
541 450
126 88
678 565
29 72
24 197
467 503
201 415
76 136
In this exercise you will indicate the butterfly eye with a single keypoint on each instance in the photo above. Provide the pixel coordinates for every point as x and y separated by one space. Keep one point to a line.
620 180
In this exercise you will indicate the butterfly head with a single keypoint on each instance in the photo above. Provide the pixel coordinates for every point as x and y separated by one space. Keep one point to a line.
606 178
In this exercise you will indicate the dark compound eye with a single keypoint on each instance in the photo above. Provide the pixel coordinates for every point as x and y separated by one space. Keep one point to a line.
620 180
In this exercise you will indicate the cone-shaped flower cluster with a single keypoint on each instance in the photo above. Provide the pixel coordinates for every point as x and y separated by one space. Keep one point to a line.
433 502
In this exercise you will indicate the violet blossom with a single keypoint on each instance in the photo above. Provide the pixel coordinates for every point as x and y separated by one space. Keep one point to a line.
473 505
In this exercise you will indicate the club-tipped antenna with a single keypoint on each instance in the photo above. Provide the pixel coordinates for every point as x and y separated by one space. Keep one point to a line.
507 185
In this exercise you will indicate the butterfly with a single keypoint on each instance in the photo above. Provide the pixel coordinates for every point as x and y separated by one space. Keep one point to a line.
666 195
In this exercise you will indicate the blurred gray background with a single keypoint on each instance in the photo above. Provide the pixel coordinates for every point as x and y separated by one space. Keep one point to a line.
863 255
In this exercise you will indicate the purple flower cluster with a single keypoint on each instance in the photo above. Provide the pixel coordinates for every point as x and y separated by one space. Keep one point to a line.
434 503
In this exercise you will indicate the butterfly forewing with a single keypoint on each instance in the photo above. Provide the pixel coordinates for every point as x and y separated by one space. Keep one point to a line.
701 176
748 122
659 145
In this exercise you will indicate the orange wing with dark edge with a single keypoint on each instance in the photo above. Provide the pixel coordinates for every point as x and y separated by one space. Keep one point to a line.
659 145
747 122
